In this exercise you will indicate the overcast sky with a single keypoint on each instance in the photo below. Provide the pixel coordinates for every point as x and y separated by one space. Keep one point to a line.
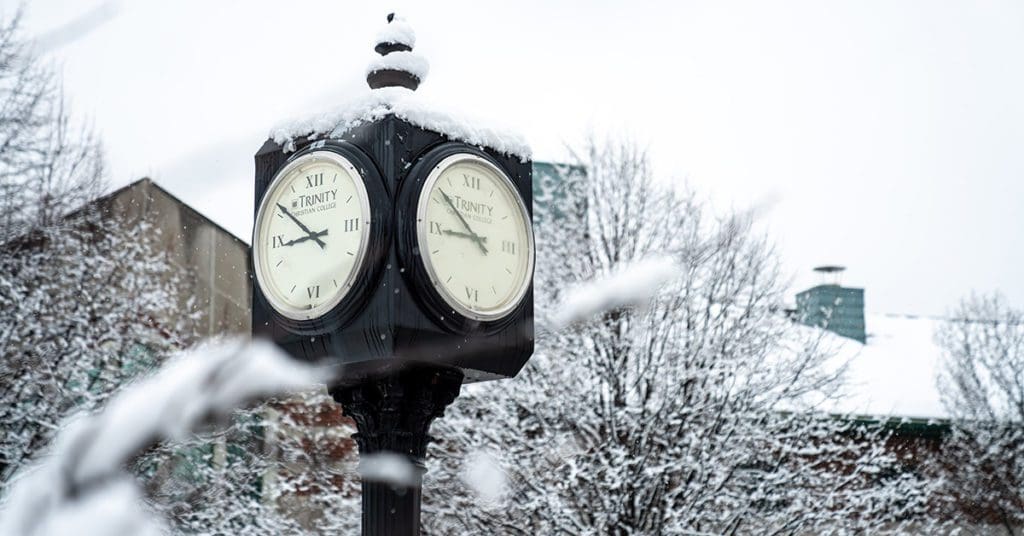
886 136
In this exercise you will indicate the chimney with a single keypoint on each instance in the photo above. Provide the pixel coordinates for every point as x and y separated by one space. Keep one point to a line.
832 306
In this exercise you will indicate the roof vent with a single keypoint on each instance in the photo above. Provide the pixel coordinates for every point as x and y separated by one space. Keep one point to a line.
830 274
833 307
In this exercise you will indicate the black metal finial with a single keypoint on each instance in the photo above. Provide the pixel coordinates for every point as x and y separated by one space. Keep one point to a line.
397 38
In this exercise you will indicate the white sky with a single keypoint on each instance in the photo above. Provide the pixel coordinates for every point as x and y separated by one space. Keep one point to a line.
884 135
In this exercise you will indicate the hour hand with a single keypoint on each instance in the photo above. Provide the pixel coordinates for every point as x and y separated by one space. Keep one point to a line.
313 236
472 237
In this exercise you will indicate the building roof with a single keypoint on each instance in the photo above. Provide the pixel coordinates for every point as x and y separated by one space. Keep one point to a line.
894 373
147 184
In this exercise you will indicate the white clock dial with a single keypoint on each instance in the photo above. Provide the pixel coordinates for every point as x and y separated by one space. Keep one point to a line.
475 237
311 234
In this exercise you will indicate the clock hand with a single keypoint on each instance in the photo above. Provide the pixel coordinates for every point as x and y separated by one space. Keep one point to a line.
476 238
313 236
301 226
465 235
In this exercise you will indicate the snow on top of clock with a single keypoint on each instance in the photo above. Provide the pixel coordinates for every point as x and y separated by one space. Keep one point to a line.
401 60
398 31
406 105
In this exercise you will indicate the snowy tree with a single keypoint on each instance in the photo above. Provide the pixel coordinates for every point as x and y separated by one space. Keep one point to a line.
697 412
84 299
80 310
982 385
48 165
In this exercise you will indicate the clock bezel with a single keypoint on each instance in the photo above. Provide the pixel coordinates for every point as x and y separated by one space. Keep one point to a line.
448 310
312 320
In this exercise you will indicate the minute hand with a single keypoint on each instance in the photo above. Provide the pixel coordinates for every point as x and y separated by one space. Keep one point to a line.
476 238
313 236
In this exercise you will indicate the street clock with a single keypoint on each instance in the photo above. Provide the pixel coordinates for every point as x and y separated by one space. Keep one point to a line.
388 244
395 249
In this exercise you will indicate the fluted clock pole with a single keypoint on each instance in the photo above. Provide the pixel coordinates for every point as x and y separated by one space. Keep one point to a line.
393 415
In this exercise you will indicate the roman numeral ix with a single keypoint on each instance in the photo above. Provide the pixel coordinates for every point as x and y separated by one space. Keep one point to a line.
435 228
278 241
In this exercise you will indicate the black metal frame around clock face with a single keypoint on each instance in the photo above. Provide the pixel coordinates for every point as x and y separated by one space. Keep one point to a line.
378 243
416 273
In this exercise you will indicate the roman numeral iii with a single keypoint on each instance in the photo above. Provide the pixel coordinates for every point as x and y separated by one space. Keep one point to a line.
508 247
351 224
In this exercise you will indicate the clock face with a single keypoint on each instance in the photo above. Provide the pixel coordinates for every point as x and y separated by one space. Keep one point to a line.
311 233
475 237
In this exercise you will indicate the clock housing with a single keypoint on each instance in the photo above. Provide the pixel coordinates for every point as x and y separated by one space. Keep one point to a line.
399 322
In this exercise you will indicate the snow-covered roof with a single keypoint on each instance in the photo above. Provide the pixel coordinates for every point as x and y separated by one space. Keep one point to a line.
407 105
894 374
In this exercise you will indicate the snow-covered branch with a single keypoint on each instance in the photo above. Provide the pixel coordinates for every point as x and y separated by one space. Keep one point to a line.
82 484
633 285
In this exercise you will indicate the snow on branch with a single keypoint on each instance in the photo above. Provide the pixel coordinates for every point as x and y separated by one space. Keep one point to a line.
82 486
630 285
389 467
483 475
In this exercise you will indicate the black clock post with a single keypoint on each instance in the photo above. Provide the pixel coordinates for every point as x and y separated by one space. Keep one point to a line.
400 347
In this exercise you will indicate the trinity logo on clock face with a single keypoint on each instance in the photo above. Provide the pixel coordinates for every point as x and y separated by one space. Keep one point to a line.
311 232
475 237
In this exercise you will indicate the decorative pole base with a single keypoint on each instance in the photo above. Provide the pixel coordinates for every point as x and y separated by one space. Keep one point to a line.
393 414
